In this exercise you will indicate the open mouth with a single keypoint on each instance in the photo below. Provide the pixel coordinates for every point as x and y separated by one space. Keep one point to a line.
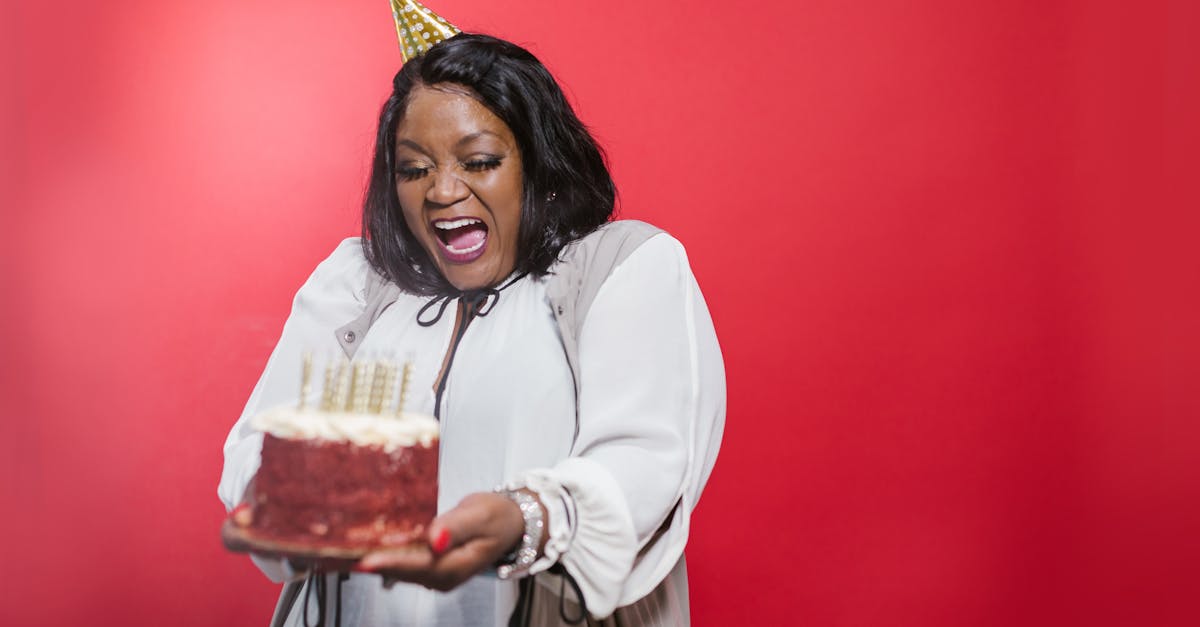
462 239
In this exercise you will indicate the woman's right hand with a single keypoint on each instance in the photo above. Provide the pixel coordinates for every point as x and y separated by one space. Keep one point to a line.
461 543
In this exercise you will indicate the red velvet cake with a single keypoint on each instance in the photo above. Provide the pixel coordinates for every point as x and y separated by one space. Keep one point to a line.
342 480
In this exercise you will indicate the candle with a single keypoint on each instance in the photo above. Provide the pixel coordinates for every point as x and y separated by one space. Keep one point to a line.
305 379
327 390
377 372
404 380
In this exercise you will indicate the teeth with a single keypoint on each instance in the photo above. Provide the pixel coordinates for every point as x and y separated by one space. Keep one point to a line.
469 249
447 225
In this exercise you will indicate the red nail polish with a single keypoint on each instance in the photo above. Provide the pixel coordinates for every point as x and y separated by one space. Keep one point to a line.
441 542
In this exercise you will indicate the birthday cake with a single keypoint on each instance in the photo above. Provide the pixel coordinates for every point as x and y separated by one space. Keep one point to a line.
347 474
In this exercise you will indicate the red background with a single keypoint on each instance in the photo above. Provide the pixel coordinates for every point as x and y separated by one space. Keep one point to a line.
950 248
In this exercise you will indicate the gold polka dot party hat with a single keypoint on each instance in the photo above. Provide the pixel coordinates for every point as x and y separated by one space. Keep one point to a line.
419 28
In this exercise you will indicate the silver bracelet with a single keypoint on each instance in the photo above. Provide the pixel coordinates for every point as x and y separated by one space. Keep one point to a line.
518 562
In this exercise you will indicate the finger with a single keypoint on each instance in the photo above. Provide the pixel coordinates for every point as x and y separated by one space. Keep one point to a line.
442 572
472 518
466 560
440 540
461 542
407 559
452 568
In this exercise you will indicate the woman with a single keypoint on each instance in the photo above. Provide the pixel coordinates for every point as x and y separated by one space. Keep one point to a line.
486 194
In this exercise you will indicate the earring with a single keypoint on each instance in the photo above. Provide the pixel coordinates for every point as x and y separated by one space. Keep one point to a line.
551 196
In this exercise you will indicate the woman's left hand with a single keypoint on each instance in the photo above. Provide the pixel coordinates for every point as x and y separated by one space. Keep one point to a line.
462 542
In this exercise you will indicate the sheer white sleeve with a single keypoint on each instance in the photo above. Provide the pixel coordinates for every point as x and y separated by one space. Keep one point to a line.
330 297
651 412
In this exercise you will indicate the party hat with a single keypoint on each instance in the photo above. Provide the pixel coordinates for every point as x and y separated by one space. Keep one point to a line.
419 28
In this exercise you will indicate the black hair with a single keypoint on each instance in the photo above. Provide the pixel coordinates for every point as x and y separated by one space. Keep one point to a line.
568 191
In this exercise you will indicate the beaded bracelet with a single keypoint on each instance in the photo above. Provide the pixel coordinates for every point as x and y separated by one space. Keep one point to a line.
518 562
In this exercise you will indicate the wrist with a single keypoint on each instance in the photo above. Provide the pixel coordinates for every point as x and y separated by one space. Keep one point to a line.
532 541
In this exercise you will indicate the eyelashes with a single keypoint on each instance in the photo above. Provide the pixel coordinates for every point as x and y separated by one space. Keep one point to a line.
410 174
482 164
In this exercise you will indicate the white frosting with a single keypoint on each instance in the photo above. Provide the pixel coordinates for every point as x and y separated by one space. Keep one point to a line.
389 431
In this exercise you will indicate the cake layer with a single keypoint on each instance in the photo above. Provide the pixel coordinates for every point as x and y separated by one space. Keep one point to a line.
339 493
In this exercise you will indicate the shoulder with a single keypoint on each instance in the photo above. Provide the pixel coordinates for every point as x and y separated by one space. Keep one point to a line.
625 256
618 235
347 255
344 273
628 228
656 262
608 247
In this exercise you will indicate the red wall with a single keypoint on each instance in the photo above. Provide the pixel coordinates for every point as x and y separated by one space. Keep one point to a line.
950 248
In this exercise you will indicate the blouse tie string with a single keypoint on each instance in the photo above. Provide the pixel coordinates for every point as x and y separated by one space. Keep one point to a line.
484 298
316 579
476 303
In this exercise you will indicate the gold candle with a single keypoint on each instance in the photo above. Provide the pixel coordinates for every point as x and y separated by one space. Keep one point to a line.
341 386
404 380
377 373
360 389
327 390
390 371
305 379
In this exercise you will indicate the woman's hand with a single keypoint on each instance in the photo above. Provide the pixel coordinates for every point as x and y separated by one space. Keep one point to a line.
462 542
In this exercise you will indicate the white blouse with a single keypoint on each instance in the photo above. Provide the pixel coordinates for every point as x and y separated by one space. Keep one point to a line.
651 414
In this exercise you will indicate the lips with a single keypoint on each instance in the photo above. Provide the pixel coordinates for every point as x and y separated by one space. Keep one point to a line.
461 240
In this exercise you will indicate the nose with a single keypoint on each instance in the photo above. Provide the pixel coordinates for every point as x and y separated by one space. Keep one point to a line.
446 188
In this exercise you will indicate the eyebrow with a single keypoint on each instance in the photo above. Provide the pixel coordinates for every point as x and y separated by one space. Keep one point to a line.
466 139
411 144
476 135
